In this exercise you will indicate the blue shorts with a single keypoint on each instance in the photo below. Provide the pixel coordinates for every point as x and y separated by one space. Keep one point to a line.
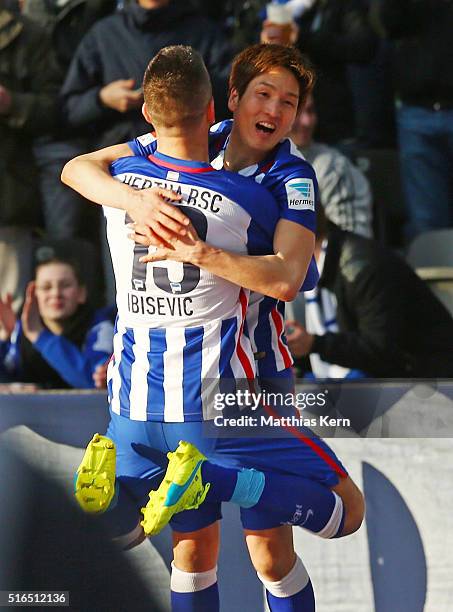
138 472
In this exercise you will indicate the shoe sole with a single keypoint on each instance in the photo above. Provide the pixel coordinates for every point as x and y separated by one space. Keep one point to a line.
94 485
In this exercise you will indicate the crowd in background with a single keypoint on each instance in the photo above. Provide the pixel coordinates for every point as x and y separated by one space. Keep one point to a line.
70 82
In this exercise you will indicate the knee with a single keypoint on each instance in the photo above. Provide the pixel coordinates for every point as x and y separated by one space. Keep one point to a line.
196 551
354 514
271 566
272 555
353 506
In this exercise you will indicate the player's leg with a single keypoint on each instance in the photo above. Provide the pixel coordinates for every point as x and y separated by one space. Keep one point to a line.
287 583
187 483
316 460
191 479
353 503
310 457
194 570
195 538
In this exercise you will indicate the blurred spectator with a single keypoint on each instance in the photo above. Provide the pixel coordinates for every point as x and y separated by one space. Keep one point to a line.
28 93
59 340
423 59
370 314
65 212
67 21
102 91
343 190
334 34
372 92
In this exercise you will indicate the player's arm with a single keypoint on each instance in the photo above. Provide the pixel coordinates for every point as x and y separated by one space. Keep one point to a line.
89 175
279 275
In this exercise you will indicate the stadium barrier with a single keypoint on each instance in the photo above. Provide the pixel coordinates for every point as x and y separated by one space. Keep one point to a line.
398 448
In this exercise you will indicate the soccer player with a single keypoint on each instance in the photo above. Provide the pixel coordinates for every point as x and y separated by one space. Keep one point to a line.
263 130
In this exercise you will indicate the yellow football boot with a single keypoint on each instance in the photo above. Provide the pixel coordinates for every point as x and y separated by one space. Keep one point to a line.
94 482
181 489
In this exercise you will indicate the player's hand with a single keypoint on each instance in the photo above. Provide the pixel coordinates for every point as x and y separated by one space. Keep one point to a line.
121 96
31 321
5 100
7 317
299 340
158 219
180 248
100 376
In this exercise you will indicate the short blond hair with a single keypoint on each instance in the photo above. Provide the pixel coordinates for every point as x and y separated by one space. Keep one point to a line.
176 86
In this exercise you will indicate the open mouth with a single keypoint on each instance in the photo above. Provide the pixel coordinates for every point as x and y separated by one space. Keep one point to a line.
265 127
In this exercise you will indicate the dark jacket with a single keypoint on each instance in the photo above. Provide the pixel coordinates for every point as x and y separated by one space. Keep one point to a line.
28 70
120 47
67 23
390 323
334 34
423 54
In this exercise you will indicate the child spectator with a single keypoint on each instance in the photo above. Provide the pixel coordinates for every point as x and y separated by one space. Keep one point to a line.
60 340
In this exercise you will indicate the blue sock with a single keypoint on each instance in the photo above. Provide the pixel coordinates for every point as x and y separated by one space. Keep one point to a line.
303 502
303 601
293 593
223 481
194 592
196 601
291 499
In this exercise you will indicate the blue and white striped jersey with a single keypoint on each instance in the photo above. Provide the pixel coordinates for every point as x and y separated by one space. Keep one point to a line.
179 326
292 182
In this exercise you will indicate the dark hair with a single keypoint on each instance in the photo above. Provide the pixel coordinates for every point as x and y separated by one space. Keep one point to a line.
45 255
176 86
258 59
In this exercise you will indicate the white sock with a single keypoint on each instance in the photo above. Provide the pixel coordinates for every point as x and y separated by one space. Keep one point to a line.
289 585
190 582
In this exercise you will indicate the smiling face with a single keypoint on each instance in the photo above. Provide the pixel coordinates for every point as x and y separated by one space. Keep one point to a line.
58 291
264 114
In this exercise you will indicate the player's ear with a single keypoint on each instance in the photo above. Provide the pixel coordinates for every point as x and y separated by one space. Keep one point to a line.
146 114
210 113
233 99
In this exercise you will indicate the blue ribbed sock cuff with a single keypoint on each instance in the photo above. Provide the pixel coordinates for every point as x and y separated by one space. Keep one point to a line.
249 487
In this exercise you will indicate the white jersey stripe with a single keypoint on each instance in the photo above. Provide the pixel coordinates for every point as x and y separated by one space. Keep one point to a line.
138 397
173 375
115 369
210 359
